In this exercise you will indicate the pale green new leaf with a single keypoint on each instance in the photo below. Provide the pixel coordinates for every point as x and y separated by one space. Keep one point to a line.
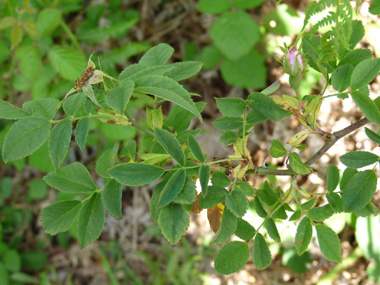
60 216
261 254
277 149
173 221
68 62
73 178
59 142
25 137
91 220
157 55
135 174
297 165
232 257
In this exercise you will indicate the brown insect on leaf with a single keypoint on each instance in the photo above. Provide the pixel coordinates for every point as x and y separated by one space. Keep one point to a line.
214 216
196 208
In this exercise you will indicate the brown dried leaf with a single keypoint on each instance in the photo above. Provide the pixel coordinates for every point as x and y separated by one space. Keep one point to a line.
196 208
214 215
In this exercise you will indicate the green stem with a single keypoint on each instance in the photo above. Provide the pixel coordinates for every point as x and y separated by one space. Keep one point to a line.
137 125
71 36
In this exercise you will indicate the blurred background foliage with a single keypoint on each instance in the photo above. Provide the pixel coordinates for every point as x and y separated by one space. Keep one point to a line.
44 47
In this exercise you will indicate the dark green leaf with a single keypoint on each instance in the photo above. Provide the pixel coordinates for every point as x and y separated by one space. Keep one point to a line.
321 213
307 205
215 195
81 132
347 175
232 257
267 194
195 148
374 9
135 174
332 178
188 193
261 254
277 149
60 216
358 159
359 191
228 124
227 227
154 211
303 235
237 202
296 216
68 62
172 188
204 178
254 117
25 137
231 107
106 160
340 78
129 151
272 230
72 104
329 243
335 201
171 145
259 208
244 230
73 178
183 70
356 56
111 197
42 107
245 188
365 72
118 98
372 135
91 220
267 107
59 142
173 222
220 179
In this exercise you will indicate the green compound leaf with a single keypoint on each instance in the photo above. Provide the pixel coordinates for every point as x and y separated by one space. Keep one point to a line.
91 220
204 178
303 235
232 257
73 178
234 34
358 159
297 165
173 222
332 178
329 243
240 73
111 197
340 78
367 106
81 132
25 137
231 107
59 142
171 145
118 98
195 148
157 55
183 70
172 188
215 195
237 202
372 135
359 191
227 227
135 174
261 254
60 216
321 213
277 149
68 62
272 230
167 89
42 107
10 112
267 107
365 72
106 160
244 230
